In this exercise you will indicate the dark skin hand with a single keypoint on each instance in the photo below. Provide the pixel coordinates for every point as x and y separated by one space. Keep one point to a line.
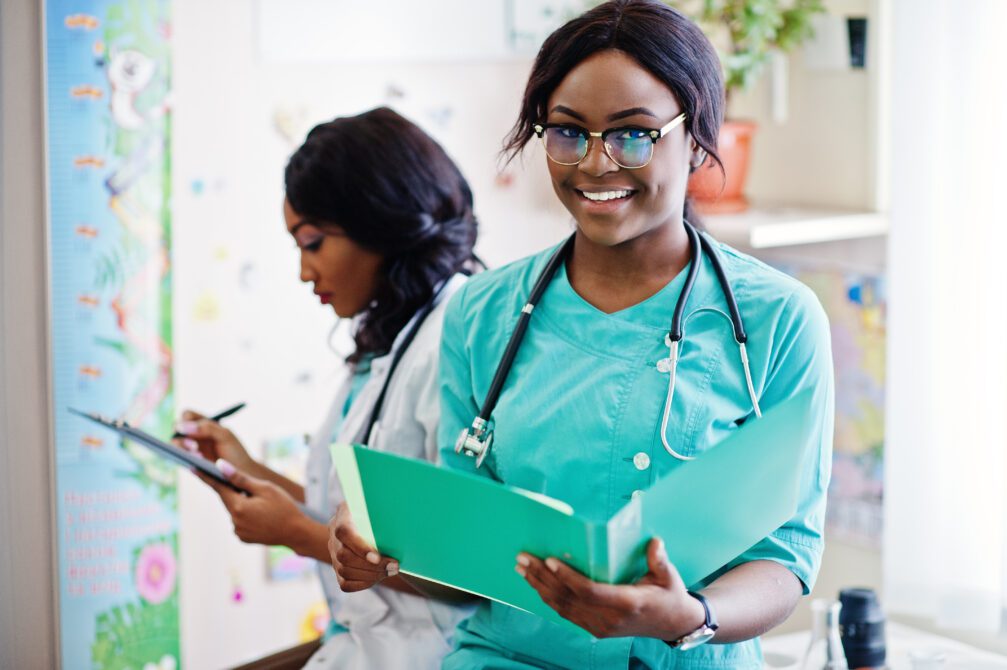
270 516
655 606
658 606
359 566
214 441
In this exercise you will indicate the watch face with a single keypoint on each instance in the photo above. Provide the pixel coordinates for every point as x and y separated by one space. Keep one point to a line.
701 636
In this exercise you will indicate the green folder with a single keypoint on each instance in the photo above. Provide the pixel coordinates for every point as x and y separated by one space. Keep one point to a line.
465 531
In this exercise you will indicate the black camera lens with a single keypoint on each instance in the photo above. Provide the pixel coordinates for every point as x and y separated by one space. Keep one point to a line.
862 628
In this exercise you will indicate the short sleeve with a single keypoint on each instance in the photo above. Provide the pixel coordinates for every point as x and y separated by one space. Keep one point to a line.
802 360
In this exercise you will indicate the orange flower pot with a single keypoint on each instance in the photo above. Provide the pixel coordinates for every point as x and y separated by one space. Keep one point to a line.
713 193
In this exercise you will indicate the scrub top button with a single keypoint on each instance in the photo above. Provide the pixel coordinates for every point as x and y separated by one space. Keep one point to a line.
664 365
636 494
641 461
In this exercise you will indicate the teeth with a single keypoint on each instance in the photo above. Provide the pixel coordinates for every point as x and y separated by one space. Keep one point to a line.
605 195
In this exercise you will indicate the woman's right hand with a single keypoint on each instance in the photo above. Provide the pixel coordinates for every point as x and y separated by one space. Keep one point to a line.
358 565
212 440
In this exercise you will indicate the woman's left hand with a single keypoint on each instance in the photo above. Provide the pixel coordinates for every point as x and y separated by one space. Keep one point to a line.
657 605
268 515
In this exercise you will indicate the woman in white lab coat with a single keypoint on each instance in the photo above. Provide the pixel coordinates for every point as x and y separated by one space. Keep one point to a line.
384 223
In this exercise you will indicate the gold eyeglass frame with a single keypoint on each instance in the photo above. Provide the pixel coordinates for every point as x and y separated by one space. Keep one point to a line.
655 135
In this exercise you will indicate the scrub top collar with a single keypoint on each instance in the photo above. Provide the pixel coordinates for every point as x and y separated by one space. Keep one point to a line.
606 334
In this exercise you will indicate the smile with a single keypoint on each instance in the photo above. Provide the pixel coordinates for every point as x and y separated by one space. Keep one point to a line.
604 202
603 196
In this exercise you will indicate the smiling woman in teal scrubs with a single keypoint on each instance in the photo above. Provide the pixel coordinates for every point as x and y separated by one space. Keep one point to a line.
580 416
628 100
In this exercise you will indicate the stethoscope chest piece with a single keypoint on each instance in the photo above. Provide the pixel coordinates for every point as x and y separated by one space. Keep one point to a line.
475 441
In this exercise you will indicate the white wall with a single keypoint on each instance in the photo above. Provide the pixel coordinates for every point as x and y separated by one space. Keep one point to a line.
27 586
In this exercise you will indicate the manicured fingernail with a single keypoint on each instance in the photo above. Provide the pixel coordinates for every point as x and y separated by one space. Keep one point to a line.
226 467
523 560
392 569
552 564
373 558
186 427
520 570
191 445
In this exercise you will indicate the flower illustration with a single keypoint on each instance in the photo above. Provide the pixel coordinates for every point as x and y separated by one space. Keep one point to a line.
156 572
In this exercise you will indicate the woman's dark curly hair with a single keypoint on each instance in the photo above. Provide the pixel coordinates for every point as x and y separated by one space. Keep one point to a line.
661 39
393 190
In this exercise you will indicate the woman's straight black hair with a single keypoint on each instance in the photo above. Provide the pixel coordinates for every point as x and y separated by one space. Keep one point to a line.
392 189
661 39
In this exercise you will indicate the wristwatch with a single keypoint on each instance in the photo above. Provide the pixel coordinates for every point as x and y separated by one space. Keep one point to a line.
704 633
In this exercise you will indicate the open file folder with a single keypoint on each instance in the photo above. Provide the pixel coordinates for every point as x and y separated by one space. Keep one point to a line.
465 531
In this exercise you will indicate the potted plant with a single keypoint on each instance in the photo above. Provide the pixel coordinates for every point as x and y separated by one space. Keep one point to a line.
746 34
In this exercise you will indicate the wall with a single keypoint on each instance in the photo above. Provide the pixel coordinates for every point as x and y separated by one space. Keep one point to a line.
27 623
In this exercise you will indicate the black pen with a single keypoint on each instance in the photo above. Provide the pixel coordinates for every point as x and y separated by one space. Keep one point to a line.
217 417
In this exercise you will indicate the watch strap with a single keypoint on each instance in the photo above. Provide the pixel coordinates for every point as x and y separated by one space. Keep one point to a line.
706 630
711 618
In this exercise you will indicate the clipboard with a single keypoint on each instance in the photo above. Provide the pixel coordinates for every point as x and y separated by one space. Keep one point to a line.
179 456
465 531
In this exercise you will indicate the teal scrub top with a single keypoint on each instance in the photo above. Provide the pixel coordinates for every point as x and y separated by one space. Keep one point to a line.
580 414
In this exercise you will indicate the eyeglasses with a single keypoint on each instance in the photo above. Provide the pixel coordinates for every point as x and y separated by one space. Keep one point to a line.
629 147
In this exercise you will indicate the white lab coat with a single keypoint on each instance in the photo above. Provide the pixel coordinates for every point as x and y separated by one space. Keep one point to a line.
387 629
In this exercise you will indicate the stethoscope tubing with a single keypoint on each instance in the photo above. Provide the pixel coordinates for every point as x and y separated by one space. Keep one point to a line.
366 435
514 343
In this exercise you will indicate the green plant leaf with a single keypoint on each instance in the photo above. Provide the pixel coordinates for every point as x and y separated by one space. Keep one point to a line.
753 29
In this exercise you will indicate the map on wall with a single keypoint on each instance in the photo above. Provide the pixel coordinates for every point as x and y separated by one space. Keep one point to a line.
856 306
108 131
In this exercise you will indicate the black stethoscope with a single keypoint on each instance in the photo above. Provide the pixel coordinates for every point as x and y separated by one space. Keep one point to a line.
477 439
365 435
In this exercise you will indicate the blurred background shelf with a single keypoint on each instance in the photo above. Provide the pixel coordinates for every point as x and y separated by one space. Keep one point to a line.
766 226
